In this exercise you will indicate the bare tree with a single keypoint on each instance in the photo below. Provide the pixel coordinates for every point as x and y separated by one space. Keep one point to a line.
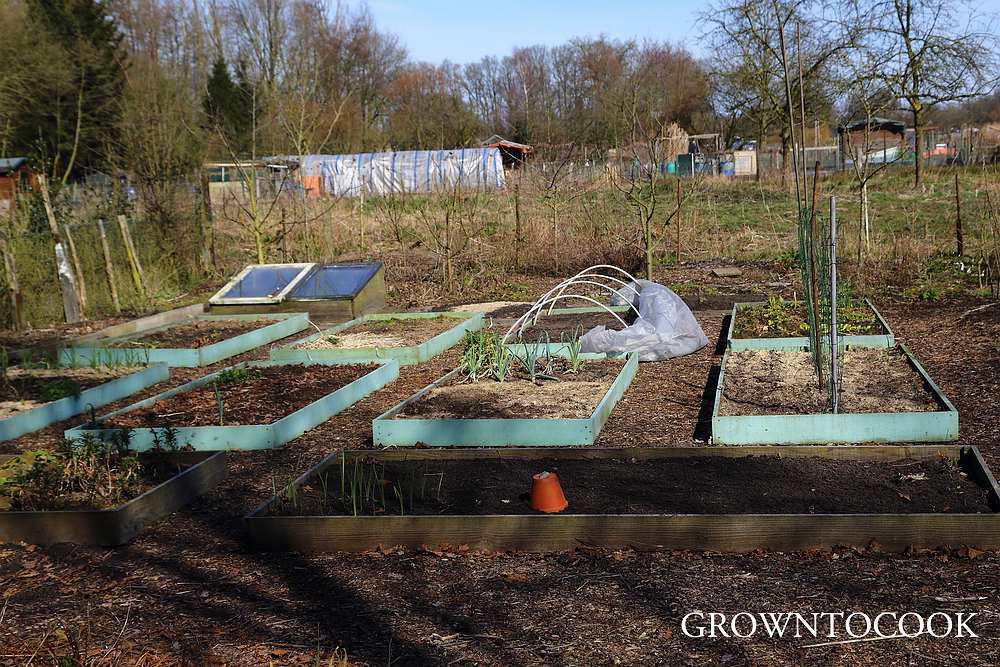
749 62
940 51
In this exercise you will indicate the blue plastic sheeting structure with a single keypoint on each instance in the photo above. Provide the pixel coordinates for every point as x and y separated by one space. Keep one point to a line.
404 171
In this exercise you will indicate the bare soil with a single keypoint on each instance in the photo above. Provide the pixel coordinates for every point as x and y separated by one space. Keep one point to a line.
384 333
776 382
570 396
193 335
696 485
270 393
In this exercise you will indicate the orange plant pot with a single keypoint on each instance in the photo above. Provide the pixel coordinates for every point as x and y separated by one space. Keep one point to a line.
546 493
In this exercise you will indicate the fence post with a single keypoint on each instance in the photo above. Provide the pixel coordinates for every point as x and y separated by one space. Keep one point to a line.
81 284
67 282
109 268
133 258
10 271
959 241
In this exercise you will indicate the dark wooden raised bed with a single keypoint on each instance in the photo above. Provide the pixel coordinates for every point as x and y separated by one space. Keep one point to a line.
113 527
728 532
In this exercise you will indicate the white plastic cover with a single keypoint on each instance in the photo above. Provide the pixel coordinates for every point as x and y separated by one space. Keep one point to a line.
665 328
405 171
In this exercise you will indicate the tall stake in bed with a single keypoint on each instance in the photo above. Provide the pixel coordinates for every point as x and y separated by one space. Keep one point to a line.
834 376
814 281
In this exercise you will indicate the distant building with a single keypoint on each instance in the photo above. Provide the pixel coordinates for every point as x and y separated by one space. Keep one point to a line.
883 138
513 154
15 174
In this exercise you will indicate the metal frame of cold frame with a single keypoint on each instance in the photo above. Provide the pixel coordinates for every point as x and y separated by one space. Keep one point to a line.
218 298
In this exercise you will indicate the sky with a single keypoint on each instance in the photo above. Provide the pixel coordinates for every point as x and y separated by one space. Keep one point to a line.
437 30
463 31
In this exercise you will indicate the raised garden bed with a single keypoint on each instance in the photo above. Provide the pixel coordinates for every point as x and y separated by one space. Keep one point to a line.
182 476
706 498
778 324
568 410
31 399
253 405
769 396
409 338
191 342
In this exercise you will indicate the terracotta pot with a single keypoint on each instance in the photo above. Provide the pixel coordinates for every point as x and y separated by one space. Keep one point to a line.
546 493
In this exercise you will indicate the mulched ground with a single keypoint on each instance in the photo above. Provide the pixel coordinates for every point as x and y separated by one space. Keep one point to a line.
189 591
779 382
199 333
570 395
268 394
386 333
689 485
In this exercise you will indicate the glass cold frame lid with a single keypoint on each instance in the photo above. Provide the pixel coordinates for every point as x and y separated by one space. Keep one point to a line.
335 281
264 281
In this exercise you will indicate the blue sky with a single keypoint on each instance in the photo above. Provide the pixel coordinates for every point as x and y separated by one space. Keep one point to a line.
435 30
466 30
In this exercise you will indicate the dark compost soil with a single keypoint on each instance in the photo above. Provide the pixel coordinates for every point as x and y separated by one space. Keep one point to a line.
36 387
25 389
569 395
683 485
193 335
552 328
267 395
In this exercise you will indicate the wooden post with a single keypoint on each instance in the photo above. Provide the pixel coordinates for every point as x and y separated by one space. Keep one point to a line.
959 241
679 200
10 271
207 226
109 268
133 258
81 284
67 282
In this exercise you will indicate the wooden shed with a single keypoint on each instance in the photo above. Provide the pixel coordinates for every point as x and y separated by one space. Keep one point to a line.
15 174
512 154
883 134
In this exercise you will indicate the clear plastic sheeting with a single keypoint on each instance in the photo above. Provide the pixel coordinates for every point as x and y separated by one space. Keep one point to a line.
335 281
264 281
665 328
403 171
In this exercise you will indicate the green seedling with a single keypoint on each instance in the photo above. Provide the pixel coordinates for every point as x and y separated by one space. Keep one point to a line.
236 375
60 388
573 349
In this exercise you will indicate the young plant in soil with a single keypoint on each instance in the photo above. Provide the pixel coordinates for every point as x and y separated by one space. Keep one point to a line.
365 489
574 349
485 357
779 318
85 474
